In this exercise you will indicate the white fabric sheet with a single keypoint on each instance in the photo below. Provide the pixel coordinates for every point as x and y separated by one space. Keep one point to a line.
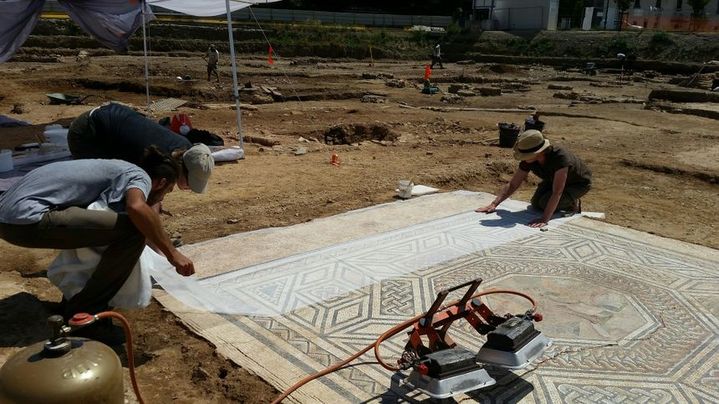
205 8
71 270
287 284
111 22
17 20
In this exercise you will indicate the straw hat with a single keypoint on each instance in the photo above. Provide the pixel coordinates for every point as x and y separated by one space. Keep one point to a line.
529 144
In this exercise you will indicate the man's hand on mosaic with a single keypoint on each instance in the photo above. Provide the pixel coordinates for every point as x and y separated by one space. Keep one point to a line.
538 222
487 209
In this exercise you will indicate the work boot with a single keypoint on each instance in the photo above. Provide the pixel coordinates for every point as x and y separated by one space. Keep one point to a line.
575 209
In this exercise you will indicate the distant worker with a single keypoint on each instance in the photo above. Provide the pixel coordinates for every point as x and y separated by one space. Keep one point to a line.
437 56
47 208
212 58
114 131
565 177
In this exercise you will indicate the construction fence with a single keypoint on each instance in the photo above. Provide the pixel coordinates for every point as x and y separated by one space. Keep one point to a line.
672 23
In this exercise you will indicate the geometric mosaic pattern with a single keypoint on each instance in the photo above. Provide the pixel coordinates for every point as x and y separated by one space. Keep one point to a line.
283 285
630 322
634 318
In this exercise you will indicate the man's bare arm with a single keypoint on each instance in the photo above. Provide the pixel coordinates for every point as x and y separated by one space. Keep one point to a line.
148 223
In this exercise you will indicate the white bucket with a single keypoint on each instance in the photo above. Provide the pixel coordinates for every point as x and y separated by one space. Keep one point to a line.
56 135
404 189
6 160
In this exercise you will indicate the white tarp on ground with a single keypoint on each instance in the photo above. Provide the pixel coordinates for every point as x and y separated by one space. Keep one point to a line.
283 285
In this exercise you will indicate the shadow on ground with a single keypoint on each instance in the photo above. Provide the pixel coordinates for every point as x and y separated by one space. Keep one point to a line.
27 316
510 388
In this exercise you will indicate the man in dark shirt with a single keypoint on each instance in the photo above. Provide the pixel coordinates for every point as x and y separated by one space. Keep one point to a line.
437 56
114 131
565 177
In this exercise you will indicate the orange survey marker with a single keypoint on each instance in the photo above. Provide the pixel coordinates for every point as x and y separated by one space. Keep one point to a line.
335 160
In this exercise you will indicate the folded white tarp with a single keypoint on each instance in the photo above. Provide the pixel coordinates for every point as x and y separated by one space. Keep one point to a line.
71 270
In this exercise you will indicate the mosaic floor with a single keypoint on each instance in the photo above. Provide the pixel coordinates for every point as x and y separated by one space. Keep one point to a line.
634 317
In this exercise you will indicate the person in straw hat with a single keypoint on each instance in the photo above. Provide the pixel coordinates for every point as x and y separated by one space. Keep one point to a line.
565 177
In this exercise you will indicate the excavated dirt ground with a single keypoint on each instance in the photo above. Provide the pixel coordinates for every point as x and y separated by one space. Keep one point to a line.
653 171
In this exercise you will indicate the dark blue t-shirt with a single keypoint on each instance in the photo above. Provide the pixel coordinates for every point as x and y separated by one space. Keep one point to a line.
125 133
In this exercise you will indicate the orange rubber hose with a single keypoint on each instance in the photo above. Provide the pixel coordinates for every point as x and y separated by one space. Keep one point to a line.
386 335
130 356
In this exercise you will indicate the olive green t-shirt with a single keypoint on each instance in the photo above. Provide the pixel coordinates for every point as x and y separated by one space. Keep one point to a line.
556 159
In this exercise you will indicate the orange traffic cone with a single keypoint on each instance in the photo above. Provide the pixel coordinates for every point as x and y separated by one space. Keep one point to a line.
335 160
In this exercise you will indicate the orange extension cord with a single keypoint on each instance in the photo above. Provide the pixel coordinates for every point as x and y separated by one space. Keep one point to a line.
386 335
86 319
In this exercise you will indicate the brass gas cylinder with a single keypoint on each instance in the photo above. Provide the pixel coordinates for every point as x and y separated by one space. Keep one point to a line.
62 370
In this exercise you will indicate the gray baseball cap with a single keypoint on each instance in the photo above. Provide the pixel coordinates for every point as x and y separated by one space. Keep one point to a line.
199 163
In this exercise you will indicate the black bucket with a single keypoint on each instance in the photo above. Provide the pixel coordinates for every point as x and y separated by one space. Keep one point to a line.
508 133
533 124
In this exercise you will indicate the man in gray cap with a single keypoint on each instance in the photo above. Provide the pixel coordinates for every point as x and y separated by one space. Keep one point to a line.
47 208
437 56
565 177
114 131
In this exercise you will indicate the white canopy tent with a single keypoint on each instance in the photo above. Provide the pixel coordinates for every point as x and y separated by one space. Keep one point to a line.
112 22
205 8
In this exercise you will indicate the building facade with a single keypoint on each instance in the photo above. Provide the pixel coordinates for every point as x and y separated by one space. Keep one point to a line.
509 15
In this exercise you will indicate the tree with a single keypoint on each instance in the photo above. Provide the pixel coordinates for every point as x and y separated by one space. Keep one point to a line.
429 7
622 6
698 7
573 9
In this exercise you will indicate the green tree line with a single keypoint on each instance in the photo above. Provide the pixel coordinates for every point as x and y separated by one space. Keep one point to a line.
424 7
